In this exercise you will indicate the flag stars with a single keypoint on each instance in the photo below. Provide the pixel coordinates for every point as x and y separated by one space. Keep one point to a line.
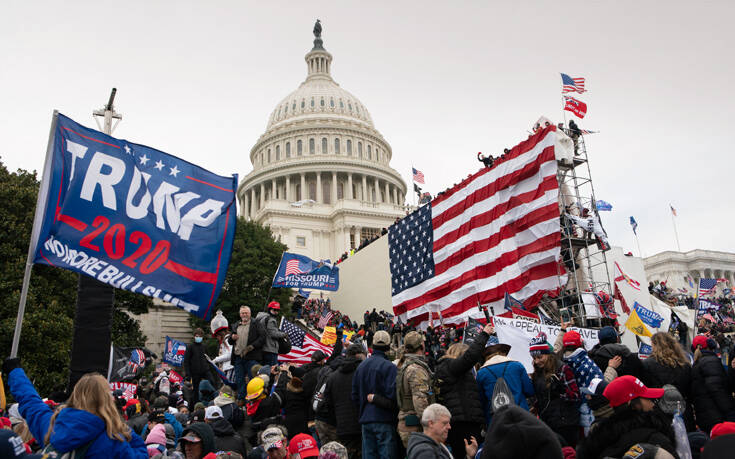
174 171
159 165
127 149
144 159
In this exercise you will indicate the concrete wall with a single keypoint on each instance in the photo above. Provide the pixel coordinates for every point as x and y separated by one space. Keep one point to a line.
364 281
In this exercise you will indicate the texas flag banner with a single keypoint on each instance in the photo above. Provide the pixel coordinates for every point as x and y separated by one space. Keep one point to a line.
299 271
575 106
134 217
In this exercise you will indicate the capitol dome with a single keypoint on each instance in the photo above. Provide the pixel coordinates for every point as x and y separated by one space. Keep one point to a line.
321 174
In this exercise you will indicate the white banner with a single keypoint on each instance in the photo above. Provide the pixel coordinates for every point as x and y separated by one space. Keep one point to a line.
518 334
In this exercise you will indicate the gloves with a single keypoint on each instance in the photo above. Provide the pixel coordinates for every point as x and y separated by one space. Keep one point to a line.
10 364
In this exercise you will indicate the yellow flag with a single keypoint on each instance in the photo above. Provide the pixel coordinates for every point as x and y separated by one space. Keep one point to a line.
637 326
3 402
330 335
346 335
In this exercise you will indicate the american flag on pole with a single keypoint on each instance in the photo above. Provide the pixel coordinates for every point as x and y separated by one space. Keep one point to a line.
302 345
575 106
707 286
324 319
293 267
496 232
570 84
418 176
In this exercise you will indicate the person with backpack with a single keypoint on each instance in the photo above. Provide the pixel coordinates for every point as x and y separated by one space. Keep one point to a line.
457 390
337 399
413 386
268 322
502 381
89 424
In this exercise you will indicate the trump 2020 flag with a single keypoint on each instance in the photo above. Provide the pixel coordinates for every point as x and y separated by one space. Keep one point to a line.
299 271
135 218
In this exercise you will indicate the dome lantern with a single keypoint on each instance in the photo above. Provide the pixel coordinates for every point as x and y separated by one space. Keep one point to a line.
318 60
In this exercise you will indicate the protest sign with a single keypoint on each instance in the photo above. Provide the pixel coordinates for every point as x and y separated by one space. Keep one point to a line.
135 218
299 271
174 352
518 334
128 389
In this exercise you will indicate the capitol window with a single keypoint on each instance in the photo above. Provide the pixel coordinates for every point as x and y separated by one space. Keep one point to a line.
359 149
369 152
341 104
322 102
336 146
312 102
300 241
285 109
293 107
303 103
349 147
331 103
299 147
278 152
349 105
311 146
269 155
288 149
324 146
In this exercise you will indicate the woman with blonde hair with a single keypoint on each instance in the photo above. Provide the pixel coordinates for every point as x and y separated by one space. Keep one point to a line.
89 424
458 390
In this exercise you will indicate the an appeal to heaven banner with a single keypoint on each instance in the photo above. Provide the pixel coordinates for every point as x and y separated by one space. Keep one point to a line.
518 334
136 218
299 271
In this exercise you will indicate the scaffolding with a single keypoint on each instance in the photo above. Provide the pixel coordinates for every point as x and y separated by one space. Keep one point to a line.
583 254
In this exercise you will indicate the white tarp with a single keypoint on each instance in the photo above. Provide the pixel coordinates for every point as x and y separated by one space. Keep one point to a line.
518 334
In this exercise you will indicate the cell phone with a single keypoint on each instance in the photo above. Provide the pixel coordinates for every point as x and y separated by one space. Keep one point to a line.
566 315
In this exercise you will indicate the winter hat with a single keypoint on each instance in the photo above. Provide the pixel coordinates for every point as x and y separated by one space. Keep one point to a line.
333 450
318 356
647 451
514 433
219 322
297 372
355 349
156 435
723 428
572 338
607 335
303 444
540 345
11 446
255 369
170 435
720 447
157 416
200 432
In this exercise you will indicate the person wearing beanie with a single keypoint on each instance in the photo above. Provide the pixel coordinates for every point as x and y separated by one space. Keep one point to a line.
609 347
636 419
267 321
197 441
557 393
374 391
225 437
458 391
230 411
155 442
413 386
498 365
515 433
711 393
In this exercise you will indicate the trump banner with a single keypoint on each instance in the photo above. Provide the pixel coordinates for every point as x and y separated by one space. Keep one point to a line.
127 363
135 218
298 271
174 352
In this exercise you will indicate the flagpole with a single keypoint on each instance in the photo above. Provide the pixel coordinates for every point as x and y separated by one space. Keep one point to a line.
35 233
563 104
640 252
676 233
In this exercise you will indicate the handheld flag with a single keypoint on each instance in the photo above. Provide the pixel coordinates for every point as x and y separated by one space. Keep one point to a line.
136 218
634 225
511 302
651 318
302 345
635 325
418 176
673 211
174 352
603 205
298 271
707 286
570 84
575 106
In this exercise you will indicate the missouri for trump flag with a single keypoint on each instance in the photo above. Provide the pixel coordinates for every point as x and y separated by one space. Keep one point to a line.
496 232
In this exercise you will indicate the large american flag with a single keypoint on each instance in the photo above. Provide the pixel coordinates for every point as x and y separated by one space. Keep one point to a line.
418 176
496 232
570 84
292 267
707 286
302 344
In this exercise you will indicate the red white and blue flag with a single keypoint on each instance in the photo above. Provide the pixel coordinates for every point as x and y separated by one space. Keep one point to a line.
326 316
575 106
496 232
418 176
292 267
570 84
707 286
302 344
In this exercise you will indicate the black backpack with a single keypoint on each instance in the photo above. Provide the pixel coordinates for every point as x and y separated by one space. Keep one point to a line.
318 400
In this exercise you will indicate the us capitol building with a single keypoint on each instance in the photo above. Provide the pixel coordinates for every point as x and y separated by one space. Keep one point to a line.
321 174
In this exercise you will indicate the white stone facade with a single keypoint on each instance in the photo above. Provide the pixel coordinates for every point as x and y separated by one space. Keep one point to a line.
673 267
321 174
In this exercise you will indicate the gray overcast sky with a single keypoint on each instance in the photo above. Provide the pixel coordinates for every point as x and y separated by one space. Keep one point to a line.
442 81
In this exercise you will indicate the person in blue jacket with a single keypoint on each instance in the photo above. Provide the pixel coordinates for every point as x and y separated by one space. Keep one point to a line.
497 365
88 422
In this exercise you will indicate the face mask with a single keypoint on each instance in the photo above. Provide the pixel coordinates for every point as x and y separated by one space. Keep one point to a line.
198 339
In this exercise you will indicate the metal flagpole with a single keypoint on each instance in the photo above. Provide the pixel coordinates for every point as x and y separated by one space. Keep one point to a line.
35 233
676 233
640 252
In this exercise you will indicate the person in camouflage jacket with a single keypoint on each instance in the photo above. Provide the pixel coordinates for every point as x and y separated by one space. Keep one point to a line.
413 386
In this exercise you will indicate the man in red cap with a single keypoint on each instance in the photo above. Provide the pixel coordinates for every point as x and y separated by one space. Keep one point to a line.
636 419
302 446
268 323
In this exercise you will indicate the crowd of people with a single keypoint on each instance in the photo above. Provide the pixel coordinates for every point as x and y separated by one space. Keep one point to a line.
393 391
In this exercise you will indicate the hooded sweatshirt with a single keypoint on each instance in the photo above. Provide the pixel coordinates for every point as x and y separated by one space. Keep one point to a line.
421 446
205 432
514 433
73 428
156 440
